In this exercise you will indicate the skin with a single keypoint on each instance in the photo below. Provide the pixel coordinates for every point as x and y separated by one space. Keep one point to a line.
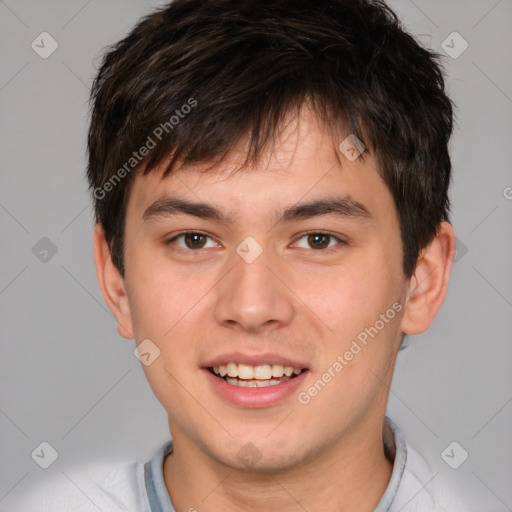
294 299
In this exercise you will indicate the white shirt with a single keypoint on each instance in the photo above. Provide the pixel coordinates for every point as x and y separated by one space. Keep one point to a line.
139 487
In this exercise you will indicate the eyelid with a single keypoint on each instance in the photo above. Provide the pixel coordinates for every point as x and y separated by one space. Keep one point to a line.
340 241
171 240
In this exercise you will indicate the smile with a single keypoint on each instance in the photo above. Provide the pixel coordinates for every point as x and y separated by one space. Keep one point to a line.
258 376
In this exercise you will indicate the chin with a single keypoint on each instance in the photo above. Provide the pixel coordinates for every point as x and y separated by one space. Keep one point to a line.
265 464
258 455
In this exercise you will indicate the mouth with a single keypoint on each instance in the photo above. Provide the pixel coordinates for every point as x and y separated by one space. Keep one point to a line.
258 376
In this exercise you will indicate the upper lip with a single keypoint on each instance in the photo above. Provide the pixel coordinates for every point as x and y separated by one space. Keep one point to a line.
253 360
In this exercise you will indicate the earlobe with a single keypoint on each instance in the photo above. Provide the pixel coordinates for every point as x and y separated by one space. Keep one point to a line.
112 284
429 283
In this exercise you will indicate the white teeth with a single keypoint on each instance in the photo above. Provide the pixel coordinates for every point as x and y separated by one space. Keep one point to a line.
241 383
255 383
277 370
263 372
245 371
232 369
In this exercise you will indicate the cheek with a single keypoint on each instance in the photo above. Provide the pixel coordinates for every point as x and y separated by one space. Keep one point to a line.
166 311
166 308
162 297
360 306
358 302
352 296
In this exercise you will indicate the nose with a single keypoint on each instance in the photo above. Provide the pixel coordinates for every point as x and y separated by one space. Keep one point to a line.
254 296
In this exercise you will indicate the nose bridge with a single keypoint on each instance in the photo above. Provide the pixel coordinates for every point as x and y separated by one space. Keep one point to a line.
252 296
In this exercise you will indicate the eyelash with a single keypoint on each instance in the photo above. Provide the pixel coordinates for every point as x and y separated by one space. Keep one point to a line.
328 251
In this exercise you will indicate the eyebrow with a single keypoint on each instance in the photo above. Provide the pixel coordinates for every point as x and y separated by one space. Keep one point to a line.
344 207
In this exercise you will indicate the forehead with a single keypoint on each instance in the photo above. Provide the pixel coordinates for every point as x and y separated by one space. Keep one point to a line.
303 164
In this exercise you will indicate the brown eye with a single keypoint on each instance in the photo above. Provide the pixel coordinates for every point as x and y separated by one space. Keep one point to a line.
192 240
318 240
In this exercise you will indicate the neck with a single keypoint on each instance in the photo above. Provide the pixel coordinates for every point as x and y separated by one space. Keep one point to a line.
352 474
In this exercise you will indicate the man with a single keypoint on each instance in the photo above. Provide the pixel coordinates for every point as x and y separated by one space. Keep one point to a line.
270 187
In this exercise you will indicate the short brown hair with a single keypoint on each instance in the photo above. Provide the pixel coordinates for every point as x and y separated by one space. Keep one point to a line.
239 66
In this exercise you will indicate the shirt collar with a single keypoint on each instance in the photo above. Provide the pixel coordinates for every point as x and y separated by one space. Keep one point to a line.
395 449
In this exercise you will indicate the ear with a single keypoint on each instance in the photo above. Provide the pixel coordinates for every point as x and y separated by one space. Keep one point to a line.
429 283
112 284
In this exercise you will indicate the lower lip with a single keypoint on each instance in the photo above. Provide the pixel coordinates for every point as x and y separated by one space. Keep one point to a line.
255 397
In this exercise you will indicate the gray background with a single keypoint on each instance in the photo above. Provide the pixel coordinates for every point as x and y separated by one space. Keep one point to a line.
67 378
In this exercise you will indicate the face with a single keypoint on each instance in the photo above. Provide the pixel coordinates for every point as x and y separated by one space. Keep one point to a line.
259 285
